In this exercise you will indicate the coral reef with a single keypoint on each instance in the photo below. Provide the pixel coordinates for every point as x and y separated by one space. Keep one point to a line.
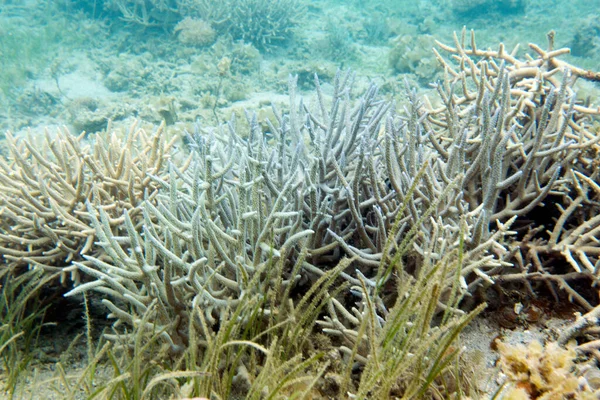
371 221
91 115
195 32
338 44
412 55
45 184
354 179
572 235
245 58
259 22
147 13
262 23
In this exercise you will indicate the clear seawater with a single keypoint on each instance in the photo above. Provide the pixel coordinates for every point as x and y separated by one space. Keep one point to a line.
83 63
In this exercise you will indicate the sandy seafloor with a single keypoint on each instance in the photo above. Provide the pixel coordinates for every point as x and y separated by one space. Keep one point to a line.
60 65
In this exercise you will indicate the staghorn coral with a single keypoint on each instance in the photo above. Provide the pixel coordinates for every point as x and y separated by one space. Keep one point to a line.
422 194
212 241
355 179
262 23
551 145
147 13
45 183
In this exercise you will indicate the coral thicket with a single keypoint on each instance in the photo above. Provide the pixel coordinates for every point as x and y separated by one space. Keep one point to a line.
345 214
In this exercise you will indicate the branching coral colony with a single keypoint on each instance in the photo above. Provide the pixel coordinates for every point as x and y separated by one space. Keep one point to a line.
262 23
390 194
46 182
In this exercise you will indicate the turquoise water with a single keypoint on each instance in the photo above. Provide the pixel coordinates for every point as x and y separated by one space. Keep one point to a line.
81 63
190 63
